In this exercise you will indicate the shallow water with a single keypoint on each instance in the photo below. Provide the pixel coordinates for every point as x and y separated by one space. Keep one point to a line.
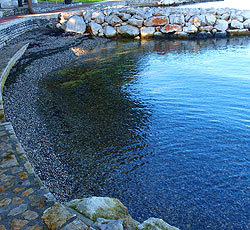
162 125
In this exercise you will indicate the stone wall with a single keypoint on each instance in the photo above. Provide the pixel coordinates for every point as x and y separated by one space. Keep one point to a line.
17 27
146 22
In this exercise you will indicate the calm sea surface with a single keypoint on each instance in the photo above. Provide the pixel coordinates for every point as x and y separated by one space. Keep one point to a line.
162 125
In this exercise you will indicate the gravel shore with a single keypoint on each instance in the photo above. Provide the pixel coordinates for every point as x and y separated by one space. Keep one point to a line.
49 50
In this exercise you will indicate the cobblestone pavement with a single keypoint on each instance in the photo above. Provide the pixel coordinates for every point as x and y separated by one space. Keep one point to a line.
23 199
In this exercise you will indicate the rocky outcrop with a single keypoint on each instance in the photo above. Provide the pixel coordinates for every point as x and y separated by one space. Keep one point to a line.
148 22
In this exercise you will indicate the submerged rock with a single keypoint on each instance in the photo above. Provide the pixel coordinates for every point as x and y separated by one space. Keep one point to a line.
103 207
155 224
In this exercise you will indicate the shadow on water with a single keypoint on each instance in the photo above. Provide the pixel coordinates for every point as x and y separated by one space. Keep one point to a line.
104 130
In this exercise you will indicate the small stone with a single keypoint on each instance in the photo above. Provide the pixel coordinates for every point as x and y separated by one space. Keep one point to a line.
191 29
55 216
27 192
16 211
17 223
210 19
29 168
98 17
35 227
30 215
36 202
17 200
7 185
5 202
8 161
124 16
22 175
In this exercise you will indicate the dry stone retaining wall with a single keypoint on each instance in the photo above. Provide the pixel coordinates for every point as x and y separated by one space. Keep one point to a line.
145 22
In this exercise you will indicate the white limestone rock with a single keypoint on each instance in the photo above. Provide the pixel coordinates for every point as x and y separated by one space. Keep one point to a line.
236 24
75 24
104 224
177 19
87 16
135 21
94 28
113 20
221 25
246 24
147 32
128 31
155 224
109 31
210 19
98 17
124 16
246 14
191 29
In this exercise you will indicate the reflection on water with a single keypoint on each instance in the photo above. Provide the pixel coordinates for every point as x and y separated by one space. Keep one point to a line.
161 125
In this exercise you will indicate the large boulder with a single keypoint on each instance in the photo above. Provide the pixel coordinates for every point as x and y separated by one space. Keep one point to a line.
128 31
113 20
177 19
155 224
109 31
104 207
94 28
247 24
156 21
75 24
171 29
147 32
221 25
235 24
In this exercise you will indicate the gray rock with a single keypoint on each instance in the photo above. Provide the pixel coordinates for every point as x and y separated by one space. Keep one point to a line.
104 207
75 24
225 17
128 31
104 224
98 17
210 19
246 14
236 24
237 17
113 20
124 16
246 24
190 29
94 28
87 16
177 19
135 22
221 25
155 224
109 31
147 32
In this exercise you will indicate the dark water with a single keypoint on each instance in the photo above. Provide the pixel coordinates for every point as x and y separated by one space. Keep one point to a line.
164 126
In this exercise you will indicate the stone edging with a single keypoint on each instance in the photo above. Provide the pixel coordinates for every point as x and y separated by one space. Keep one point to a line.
154 22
